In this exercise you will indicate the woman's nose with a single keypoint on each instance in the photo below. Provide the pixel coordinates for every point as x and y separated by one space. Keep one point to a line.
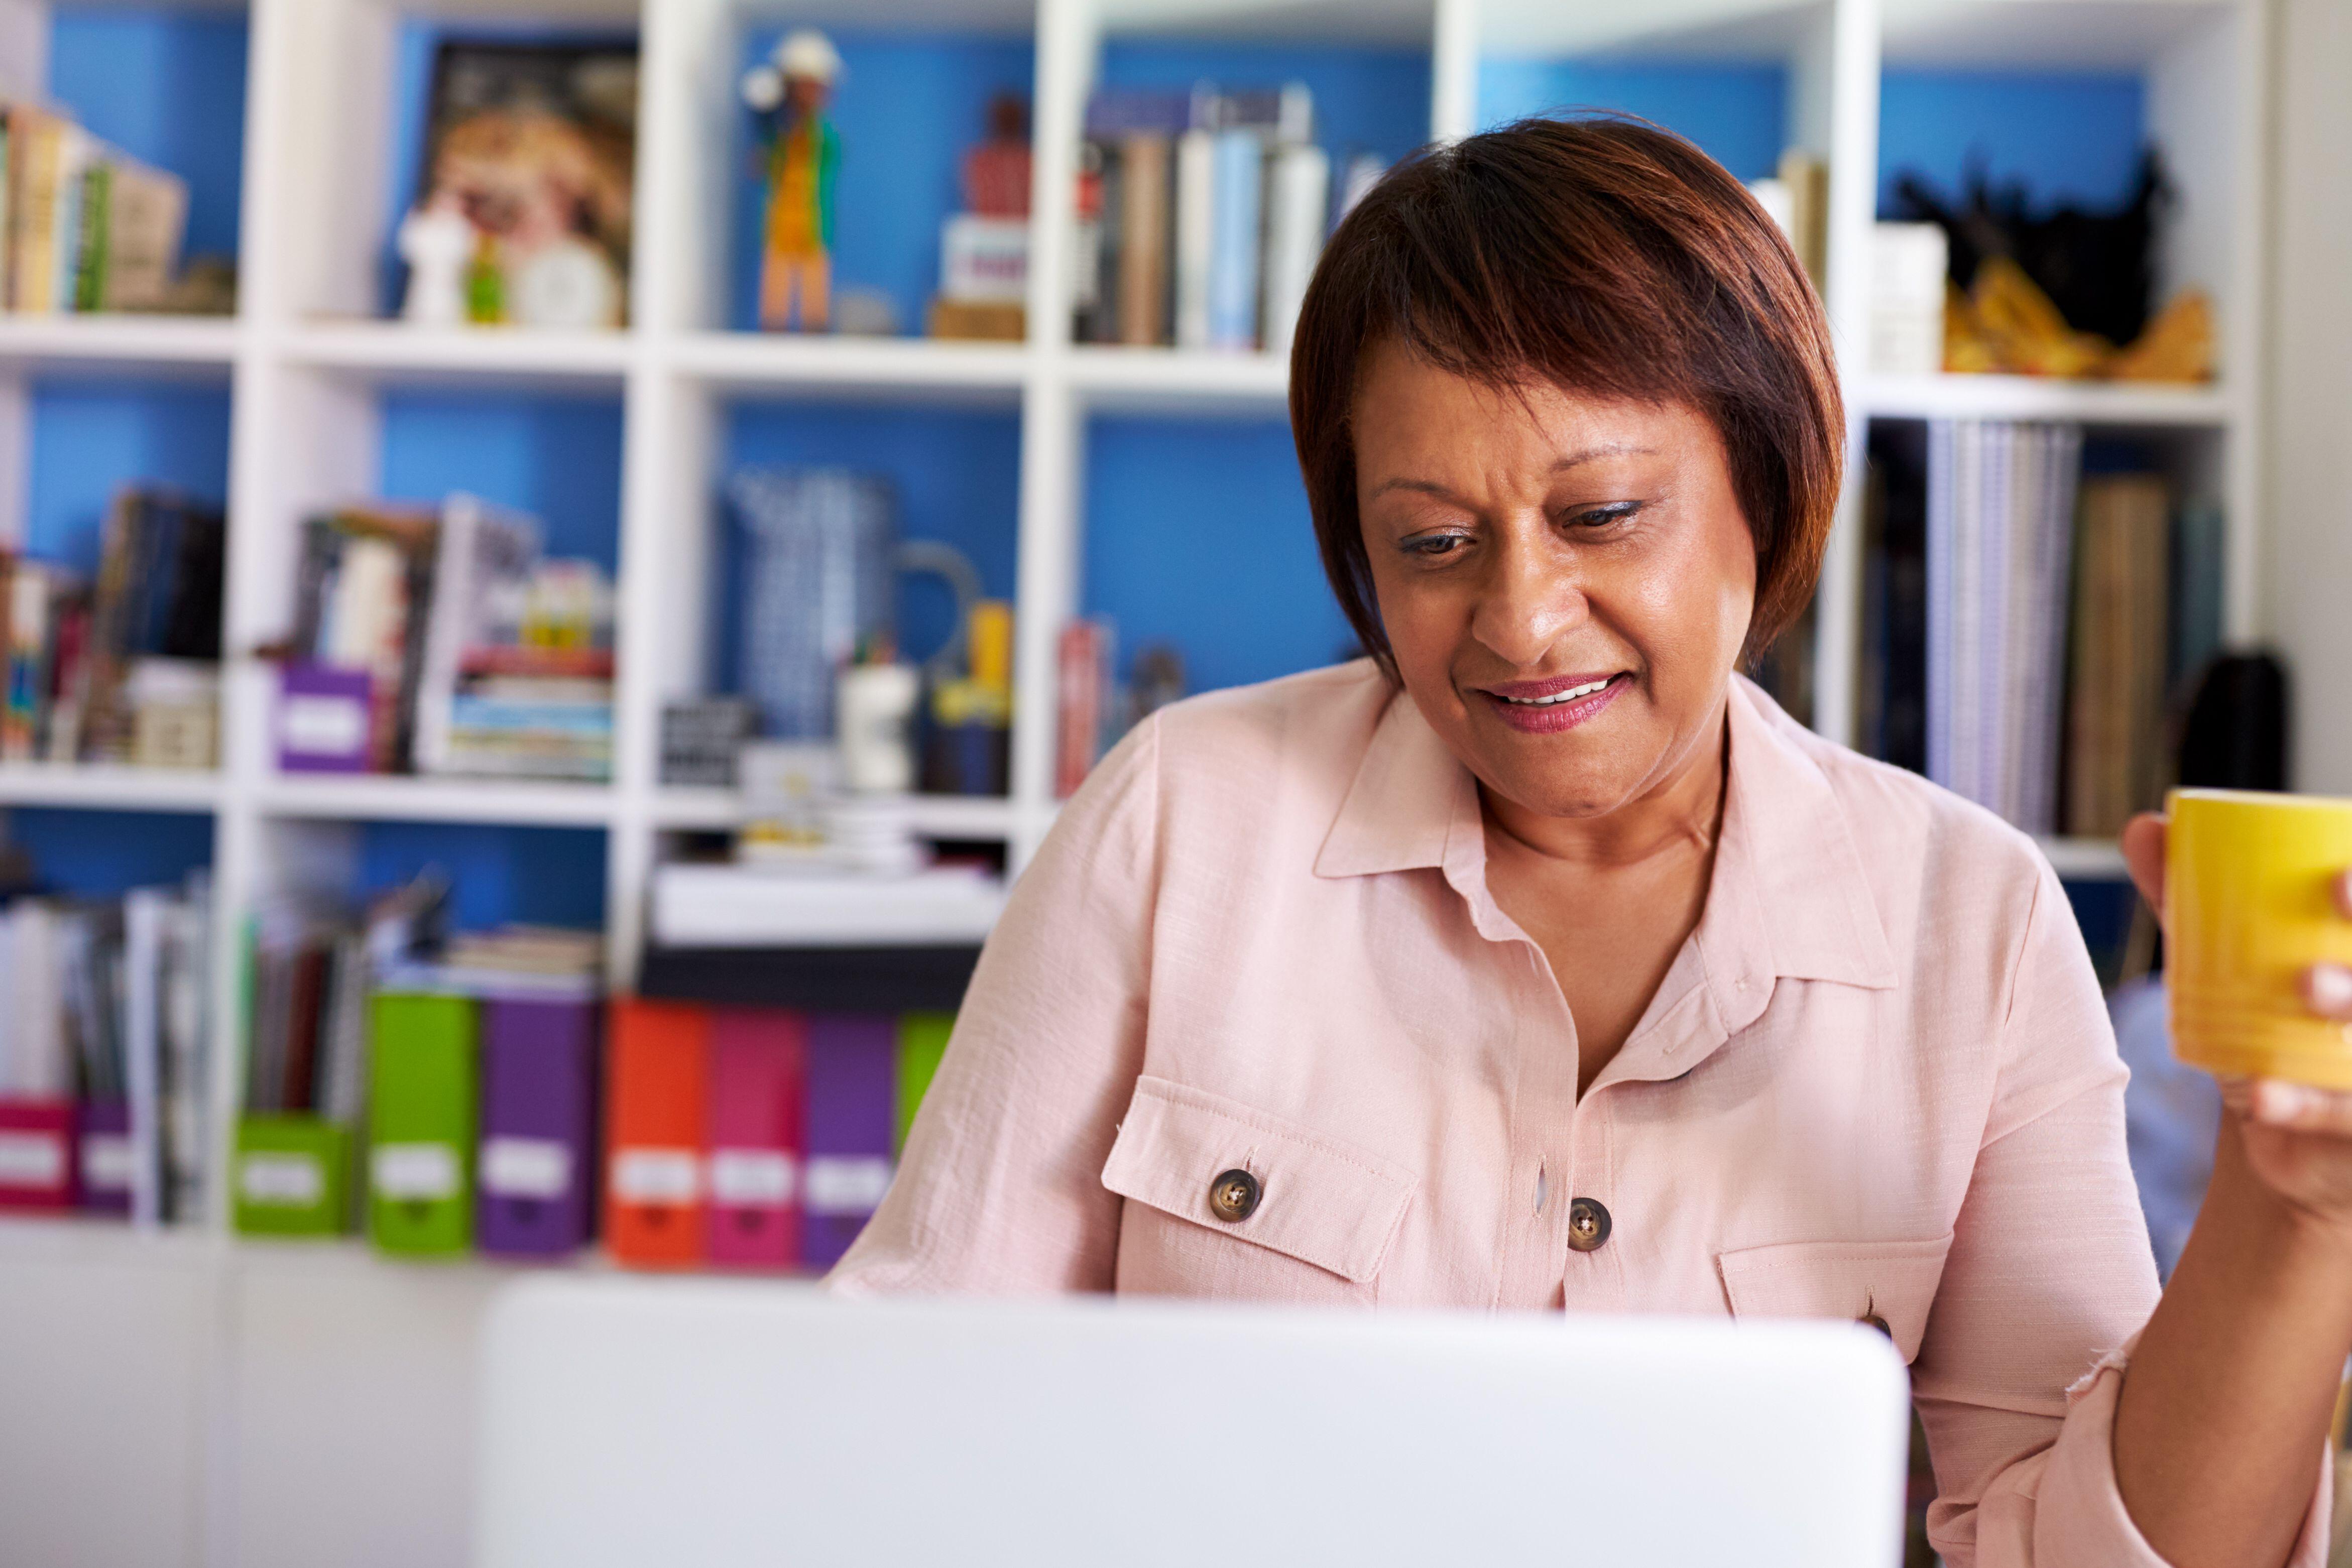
1530 601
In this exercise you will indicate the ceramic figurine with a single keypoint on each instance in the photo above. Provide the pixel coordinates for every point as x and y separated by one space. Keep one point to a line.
437 243
789 92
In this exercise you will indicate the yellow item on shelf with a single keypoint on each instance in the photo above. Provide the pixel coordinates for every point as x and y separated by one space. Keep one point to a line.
2247 912
990 645
2006 325
2178 346
2021 330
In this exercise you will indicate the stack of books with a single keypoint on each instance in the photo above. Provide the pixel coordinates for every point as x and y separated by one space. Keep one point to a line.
444 642
104 1038
1201 215
83 226
126 671
2000 532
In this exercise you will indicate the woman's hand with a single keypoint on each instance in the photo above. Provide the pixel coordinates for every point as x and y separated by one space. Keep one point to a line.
2298 1139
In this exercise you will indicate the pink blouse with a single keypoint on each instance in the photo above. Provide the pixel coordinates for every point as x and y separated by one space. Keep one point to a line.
1877 1080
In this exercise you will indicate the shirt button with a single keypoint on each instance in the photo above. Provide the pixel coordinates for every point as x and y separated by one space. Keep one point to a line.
1588 1224
1232 1196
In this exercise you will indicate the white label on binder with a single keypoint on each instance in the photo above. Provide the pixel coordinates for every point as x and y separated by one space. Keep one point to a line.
294 1180
32 1159
108 1162
525 1167
657 1175
846 1184
411 1172
323 726
753 1178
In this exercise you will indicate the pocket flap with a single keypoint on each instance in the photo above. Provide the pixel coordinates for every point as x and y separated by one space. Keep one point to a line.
1895 1281
1321 1200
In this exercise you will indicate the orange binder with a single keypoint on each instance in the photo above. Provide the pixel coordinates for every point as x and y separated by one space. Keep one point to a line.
656 1133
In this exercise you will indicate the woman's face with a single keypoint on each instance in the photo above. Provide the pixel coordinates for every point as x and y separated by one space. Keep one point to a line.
1566 580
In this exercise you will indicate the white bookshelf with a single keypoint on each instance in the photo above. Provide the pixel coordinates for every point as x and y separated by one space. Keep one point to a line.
306 363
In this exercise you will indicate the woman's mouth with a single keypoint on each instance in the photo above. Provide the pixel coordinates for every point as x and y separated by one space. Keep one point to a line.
1548 706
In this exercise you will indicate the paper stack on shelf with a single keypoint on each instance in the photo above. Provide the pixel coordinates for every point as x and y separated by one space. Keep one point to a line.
84 226
703 906
1202 215
2001 508
105 1020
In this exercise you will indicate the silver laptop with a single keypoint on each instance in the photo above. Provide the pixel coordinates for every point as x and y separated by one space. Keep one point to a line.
685 1423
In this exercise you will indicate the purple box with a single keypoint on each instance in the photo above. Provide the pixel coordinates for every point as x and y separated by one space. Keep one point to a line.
106 1155
325 720
851 1101
537 1166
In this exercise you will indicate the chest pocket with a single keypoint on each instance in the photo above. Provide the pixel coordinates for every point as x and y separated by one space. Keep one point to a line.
1309 1217
1894 1282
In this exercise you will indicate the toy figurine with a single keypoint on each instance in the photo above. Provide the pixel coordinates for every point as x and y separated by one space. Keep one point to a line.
789 92
437 242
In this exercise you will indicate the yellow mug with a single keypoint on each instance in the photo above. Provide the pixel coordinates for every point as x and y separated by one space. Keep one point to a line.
2249 906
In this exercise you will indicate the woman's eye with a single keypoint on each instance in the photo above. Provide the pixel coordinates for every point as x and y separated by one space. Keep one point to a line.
1434 545
1598 518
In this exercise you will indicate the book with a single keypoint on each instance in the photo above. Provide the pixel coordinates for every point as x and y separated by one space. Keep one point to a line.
1194 236
2116 690
1298 194
1144 220
1237 224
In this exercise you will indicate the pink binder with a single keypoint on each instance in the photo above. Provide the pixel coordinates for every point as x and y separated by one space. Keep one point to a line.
37 1154
756 1058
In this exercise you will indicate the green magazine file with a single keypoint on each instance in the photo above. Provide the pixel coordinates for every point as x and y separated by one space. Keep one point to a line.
421 1123
293 1176
922 1040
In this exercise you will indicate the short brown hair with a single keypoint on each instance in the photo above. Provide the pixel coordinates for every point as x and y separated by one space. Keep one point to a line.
1602 255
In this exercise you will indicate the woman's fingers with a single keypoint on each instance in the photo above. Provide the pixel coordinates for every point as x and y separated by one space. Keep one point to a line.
2143 847
2327 990
2277 1103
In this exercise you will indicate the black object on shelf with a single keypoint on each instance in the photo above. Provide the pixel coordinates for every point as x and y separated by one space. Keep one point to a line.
811 980
2235 734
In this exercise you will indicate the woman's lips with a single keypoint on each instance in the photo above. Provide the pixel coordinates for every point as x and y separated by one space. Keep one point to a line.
1548 706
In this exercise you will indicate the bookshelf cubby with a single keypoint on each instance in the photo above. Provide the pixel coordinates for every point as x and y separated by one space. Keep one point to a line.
1143 483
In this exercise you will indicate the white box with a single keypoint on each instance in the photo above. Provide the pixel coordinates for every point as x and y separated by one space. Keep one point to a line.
1907 268
985 261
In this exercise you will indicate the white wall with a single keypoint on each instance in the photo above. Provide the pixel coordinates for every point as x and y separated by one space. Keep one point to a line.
2309 496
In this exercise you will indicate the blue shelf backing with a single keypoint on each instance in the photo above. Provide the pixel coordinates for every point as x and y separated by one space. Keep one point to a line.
540 876
1737 113
89 439
1199 534
1366 100
2068 136
100 854
908 109
956 476
558 458
165 85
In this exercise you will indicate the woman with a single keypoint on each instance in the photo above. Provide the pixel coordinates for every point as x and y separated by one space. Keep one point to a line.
1540 961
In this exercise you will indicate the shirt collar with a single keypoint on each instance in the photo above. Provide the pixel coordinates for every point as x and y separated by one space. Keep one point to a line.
1788 898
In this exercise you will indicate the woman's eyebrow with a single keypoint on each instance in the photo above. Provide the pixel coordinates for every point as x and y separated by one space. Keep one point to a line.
1432 487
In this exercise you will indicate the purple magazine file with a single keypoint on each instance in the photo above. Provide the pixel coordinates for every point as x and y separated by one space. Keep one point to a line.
109 1158
538 1164
853 1073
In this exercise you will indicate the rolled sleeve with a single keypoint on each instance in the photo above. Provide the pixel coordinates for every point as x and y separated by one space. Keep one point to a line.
998 1190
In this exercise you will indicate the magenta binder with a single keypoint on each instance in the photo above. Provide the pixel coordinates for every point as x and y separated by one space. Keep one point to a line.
755 1137
852 1085
537 1164
108 1160
37 1154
